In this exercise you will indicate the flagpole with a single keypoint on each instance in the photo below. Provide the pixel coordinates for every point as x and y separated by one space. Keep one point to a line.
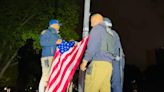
85 33
86 18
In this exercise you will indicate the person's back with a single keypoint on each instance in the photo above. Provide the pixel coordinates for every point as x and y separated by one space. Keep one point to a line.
107 42
48 40
100 60
118 62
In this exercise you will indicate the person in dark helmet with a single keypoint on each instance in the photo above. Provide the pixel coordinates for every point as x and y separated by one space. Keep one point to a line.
119 60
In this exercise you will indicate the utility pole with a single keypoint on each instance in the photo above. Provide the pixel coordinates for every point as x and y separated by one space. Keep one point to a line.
86 18
85 33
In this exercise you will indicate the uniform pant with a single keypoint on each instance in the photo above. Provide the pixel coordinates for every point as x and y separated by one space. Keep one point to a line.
46 63
98 76
117 76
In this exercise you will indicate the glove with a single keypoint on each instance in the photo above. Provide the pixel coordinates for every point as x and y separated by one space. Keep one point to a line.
83 65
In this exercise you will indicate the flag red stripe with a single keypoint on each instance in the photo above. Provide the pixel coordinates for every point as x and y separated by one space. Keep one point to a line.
63 70
54 67
75 67
55 56
63 60
66 68
59 71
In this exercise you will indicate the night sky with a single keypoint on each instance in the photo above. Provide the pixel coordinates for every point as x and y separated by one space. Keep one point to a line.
140 24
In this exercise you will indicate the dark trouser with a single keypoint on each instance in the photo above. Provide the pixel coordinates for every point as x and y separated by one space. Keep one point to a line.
117 76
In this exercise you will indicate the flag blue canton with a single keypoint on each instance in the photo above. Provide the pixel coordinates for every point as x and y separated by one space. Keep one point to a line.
65 46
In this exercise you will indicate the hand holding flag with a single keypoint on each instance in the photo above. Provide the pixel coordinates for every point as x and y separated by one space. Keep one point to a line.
65 63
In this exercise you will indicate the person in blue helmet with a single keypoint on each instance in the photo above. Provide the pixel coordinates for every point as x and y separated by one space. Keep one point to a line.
119 61
49 39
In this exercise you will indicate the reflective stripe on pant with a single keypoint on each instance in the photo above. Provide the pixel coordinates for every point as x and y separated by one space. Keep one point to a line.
46 63
98 76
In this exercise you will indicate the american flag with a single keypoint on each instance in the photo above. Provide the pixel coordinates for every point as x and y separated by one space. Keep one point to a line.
66 60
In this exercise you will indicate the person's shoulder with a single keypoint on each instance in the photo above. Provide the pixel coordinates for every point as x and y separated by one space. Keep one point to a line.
44 31
98 28
115 33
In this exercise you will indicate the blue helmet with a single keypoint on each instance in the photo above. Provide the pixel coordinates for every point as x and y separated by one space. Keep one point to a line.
54 21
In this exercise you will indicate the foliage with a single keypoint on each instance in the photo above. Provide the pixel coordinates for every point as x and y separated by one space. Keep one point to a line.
21 20
24 20
67 13
10 77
